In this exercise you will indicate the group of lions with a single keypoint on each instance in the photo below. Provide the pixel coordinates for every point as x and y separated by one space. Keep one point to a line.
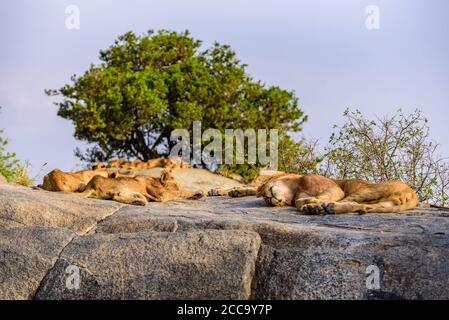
138 165
311 194
105 181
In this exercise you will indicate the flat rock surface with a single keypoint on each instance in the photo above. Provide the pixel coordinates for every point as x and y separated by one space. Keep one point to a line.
219 247
193 179
21 206
26 255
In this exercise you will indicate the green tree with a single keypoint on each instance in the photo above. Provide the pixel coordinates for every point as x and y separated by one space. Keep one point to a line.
146 86
299 156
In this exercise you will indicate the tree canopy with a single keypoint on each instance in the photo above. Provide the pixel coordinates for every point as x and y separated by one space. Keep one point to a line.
146 86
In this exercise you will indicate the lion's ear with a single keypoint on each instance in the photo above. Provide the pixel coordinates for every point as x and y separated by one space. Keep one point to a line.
166 176
113 175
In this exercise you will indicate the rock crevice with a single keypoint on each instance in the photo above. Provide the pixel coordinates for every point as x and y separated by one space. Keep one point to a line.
75 236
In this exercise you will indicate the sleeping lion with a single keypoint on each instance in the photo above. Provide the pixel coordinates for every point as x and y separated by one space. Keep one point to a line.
109 185
137 190
60 181
314 194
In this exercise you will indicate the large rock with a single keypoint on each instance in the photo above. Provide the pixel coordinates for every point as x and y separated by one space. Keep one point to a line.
22 206
216 248
316 257
193 179
187 265
26 255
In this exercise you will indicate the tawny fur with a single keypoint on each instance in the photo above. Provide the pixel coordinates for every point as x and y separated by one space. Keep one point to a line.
138 165
61 181
138 190
315 194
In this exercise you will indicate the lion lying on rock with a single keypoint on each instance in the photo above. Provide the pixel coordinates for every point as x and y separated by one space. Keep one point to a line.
315 194
61 181
138 190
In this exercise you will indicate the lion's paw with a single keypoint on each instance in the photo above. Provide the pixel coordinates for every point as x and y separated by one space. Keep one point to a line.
329 207
313 209
218 192
299 203
236 193
198 195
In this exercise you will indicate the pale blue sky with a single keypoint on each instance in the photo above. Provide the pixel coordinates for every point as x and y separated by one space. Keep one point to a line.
321 49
